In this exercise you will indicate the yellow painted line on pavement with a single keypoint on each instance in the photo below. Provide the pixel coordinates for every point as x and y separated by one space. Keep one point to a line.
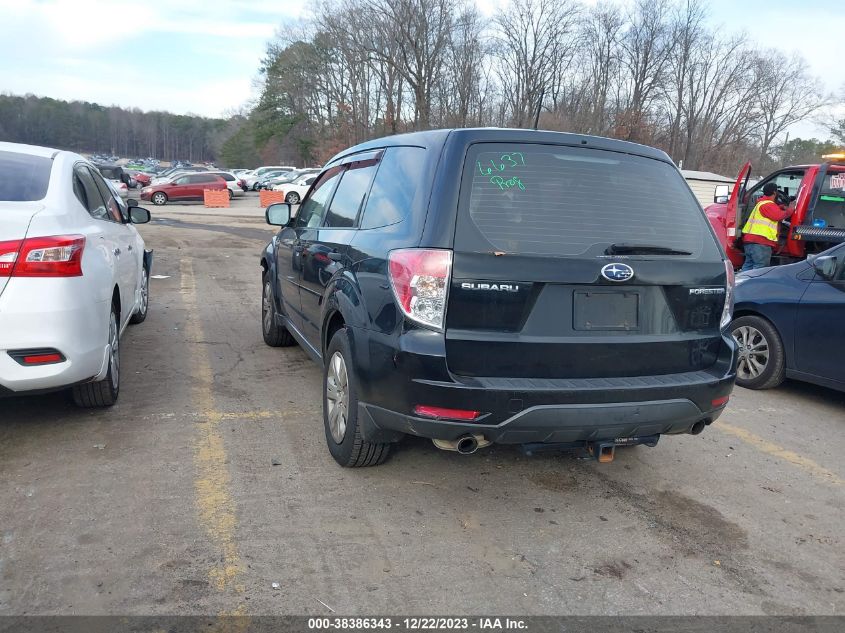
212 487
218 416
770 448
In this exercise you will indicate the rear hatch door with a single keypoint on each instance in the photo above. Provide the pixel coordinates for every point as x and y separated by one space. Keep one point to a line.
572 262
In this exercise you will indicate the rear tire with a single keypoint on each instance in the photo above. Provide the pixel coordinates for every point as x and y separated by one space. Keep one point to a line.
292 198
274 334
340 409
231 195
103 393
762 362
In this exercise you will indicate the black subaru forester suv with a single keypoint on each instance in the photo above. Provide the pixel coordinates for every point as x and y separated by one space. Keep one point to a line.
475 286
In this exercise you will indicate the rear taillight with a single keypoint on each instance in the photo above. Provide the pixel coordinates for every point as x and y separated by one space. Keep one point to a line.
55 256
728 310
420 281
8 256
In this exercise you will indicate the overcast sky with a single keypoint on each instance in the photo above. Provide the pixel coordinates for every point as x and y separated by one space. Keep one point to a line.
202 56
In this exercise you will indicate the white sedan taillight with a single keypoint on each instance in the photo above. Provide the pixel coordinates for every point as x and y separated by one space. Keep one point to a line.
54 256
420 281
728 310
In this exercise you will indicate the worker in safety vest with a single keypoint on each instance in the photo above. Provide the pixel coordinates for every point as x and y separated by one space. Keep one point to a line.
760 233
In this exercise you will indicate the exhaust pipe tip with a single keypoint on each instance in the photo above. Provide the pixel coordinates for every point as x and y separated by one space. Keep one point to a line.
466 445
698 427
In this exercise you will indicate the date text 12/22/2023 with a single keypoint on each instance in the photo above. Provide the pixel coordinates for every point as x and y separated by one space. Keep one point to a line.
417 624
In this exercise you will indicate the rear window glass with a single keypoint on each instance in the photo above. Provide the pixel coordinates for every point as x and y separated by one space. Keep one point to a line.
23 177
829 211
564 201
834 183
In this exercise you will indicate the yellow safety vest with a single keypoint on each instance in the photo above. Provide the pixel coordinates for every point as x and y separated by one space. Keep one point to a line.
759 224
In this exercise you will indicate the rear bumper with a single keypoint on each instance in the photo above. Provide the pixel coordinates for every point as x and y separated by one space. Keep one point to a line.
560 423
515 411
61 314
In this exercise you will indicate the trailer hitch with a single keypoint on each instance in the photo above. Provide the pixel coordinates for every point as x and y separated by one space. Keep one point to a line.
602 450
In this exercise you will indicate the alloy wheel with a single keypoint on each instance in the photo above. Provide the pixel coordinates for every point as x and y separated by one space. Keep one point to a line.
267 307
753 352
337 396
145 291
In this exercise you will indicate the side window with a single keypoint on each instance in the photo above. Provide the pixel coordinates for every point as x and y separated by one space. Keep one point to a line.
788 183
93 201
108 196
183 180
394 187
351 193
79 190
311 212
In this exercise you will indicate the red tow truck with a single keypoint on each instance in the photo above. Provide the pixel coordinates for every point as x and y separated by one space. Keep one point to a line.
816 195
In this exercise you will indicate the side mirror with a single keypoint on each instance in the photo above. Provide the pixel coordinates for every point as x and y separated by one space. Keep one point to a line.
825 266
721 193
138 215
131 202
278 214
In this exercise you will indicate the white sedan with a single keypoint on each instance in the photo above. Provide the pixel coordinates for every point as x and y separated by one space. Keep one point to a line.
251 178
296 190
73 274
232 183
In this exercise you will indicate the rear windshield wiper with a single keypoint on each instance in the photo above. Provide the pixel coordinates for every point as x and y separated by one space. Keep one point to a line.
642 249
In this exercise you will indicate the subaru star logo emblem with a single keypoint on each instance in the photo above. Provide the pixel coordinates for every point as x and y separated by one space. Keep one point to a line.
617 272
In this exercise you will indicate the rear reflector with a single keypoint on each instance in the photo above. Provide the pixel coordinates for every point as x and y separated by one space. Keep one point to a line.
441 413
718 402
54 256
32 357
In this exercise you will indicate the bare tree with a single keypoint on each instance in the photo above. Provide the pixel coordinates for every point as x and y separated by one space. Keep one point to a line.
785 93
602 31
646 49
533 45
652 71
460 84
687 36
421 30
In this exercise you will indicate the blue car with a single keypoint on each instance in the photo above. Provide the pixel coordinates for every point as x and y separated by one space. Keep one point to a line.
788 321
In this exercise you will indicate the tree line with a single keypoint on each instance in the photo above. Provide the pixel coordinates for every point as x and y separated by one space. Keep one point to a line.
92 128
650 71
